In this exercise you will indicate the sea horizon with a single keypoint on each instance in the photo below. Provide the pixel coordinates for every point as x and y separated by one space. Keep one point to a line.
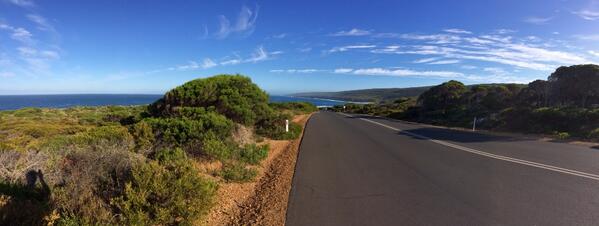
20 101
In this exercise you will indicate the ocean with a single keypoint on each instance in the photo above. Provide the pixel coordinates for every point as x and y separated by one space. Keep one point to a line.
13 102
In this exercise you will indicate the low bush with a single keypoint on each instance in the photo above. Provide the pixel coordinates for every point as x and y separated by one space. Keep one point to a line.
236 172
252 153
166 193
274 127
144 136
294 107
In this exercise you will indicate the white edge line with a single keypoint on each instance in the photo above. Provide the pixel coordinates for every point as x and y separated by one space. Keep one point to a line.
486 154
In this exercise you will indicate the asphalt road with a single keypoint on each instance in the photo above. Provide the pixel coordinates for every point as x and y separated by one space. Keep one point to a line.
359 170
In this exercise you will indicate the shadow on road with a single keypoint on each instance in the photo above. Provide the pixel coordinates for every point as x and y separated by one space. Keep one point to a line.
449 134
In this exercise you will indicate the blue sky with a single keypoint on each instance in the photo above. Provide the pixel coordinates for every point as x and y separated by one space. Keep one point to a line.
288 46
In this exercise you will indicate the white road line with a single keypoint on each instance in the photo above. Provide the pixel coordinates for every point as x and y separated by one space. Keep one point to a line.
486 154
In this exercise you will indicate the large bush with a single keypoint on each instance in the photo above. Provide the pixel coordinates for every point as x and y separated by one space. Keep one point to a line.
180 131
234 96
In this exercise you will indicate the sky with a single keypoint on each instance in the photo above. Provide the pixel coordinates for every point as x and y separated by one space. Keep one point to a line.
57 47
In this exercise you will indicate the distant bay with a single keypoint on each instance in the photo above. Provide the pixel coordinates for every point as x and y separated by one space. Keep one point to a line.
13 102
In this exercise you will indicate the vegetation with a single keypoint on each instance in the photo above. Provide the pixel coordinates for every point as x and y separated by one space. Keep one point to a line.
565 105
135 165
368 95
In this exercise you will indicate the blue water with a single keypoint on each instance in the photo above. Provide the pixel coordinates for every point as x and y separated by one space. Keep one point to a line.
11 102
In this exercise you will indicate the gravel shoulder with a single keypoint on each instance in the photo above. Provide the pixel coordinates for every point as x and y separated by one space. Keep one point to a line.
264 201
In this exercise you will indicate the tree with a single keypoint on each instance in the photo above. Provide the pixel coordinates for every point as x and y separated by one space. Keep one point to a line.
576 85
536 94
443 97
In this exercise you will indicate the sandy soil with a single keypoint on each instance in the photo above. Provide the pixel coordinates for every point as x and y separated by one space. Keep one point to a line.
263 202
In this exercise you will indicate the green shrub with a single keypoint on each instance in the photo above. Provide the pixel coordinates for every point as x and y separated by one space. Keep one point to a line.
174 194
143 135
296 107
236 172
216 148
252 153
234 96
594 134
180 131
274 127
97 138
563 135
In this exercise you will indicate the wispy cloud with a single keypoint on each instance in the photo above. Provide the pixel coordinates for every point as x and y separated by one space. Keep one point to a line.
244 25
259 54
594 53
302 71
352 32
350 47
402 72
426 60
42 23
537 20
280 36
457 31
588 14
342 70
445 62
588 37
22 3
495 48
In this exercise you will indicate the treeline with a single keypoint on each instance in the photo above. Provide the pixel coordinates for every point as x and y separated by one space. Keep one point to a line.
136 165
566 104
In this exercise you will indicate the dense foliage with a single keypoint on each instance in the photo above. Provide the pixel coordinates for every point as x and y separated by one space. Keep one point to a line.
564 105
135 165
235 97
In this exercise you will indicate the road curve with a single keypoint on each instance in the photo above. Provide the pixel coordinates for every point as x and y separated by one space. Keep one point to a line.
359 170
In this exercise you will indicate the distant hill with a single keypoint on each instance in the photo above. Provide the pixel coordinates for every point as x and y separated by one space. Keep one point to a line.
377 95
367 95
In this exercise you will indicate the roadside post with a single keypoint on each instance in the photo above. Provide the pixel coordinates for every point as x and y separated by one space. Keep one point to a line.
344 108
286 125
474 124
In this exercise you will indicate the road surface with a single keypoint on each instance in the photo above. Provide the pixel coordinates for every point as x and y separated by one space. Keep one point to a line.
360 170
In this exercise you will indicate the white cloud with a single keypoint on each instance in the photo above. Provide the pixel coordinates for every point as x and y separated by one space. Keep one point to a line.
589 37
259 55
231 62
22 35
405 72
445 62
42 23
352 32
342 70
303 71
588 14
426 60
245 24
208 63
594 53
504 31
305 50
435 38
279 36
22 3
538 20
457 31
350 47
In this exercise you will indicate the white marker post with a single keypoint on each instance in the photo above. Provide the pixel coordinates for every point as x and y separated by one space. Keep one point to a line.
343 107
286 125
474 124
